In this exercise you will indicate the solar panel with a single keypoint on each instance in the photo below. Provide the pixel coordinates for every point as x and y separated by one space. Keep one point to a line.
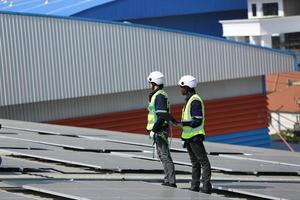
53 7
267 190
76 143
117 190
258 170
8 143
21 163
282 158
231 165
25 165
102 161
13 196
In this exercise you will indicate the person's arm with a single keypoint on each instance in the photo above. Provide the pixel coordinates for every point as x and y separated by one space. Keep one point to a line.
196 113
161 106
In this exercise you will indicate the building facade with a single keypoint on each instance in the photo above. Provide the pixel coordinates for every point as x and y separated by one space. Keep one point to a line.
270 23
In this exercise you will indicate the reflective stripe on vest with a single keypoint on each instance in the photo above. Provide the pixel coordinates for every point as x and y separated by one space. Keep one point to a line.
152 117
187 131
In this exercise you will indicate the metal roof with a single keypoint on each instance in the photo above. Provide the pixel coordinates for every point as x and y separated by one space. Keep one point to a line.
51 58
137 9
52 7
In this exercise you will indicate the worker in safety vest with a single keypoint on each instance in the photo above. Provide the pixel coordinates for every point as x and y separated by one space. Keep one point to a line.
158 128
192 123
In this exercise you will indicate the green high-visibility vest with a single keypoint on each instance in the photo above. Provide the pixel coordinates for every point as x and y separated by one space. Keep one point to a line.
152 117
187 131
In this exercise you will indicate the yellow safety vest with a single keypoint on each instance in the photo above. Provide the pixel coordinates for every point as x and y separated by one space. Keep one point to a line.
187 131
152 117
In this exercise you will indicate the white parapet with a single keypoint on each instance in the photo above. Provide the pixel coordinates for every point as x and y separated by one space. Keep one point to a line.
261 26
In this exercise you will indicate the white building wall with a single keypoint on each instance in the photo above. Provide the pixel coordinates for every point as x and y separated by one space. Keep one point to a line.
283 121
93 105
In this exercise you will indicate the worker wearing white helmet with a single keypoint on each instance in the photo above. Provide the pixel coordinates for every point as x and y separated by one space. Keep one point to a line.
158 127
192 123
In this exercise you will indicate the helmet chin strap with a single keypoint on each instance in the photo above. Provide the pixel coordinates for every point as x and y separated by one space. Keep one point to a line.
155 87
191 91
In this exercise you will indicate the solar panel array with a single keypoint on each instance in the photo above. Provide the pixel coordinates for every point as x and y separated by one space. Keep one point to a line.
59 162
50 7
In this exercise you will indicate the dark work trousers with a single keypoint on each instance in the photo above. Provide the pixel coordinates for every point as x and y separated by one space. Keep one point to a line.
164 155
199 160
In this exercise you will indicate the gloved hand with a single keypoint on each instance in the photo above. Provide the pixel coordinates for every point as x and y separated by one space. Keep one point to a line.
183 143
178 124
152 135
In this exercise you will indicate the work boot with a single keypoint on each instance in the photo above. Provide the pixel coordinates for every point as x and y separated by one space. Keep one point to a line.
165 183
173 185
169 184
194 189
205 191
207 188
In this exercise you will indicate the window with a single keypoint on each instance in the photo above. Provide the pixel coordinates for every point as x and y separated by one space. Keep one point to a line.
247 39
276 42
270 9
254 10
292 41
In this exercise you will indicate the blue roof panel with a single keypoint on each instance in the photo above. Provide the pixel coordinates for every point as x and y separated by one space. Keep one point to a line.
53 7
139 9
256 137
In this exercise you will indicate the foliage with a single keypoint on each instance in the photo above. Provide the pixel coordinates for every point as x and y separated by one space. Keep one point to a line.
290 136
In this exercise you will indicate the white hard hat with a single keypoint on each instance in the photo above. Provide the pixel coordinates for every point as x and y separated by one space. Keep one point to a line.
156 77
188 80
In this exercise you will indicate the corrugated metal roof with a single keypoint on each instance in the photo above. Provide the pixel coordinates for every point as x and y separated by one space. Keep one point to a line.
48 58
256 137
88 106
52 7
